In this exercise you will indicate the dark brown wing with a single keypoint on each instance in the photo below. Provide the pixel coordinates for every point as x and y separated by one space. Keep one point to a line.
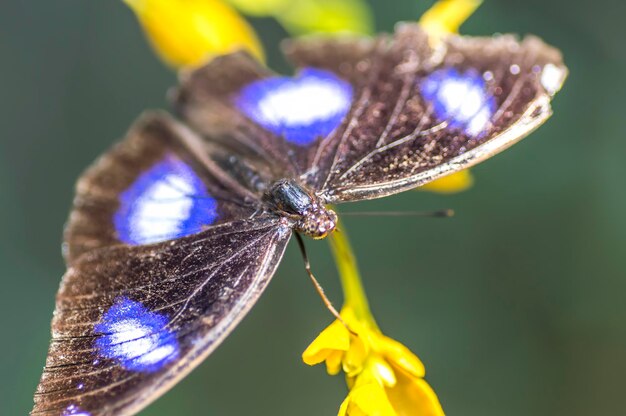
130 321
416 112
161 182
236 100
167 247
423 113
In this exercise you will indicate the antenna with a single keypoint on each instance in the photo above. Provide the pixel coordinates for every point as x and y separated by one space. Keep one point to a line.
318 287
443 213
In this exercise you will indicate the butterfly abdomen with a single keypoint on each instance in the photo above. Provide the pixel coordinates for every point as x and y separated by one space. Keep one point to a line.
242 172
289 199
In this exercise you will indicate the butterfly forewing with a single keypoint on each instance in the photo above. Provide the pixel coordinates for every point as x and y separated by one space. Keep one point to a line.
236 100
428 111
131 321
162 182
418 111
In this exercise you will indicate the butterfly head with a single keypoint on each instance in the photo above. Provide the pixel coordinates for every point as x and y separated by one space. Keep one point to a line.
318 222
290 199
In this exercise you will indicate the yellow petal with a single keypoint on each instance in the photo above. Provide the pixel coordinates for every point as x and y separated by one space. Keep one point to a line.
190 32
413 396
401 357
383 371
333 362
343 409
369 400
334 338
355 357
455 182
446 16
326 16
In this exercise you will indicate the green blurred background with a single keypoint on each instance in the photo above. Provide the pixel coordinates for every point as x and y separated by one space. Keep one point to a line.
516 305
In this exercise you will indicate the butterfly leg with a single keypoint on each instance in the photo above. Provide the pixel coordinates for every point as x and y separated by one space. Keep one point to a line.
318 287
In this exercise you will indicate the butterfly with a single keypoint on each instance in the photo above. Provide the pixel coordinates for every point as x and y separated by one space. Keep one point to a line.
177 230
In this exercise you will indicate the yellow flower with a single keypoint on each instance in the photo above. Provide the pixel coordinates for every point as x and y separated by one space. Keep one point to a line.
455 182
385 377
190 32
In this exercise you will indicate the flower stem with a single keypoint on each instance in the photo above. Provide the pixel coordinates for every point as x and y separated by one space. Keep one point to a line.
354 295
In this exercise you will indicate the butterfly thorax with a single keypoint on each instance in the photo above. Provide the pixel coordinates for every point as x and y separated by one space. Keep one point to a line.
289 199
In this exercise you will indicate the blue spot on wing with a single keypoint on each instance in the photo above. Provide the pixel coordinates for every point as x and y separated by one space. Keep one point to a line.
300 109
461 99
73 410
136 337
167 201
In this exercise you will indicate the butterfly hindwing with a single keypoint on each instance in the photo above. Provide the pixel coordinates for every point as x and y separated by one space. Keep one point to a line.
167 250
130 321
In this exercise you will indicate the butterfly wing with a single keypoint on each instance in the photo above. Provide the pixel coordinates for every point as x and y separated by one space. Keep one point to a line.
236 100
425 112
416 113
166 254
162 182
132 321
